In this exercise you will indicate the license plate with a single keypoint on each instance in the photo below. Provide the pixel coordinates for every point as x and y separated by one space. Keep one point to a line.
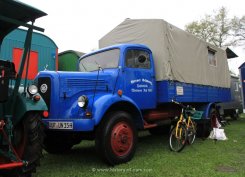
61 125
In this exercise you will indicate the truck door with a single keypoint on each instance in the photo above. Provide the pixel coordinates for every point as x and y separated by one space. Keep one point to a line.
139 78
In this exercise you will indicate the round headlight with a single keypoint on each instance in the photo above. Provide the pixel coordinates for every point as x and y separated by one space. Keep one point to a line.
44 88
82 101
32 89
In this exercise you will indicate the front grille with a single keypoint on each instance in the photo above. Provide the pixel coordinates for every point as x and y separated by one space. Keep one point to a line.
86 84
46 96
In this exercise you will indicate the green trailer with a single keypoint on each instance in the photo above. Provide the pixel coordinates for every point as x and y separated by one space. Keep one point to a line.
68 60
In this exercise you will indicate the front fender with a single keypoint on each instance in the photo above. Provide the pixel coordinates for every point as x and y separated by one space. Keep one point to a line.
103 103
25 105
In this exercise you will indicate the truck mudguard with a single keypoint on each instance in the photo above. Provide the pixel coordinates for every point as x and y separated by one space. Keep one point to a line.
26 105
109 100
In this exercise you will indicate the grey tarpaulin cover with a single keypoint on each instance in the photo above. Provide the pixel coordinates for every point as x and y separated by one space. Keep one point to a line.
177 54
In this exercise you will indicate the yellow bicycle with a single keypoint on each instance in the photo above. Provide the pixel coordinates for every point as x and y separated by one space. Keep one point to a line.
185 130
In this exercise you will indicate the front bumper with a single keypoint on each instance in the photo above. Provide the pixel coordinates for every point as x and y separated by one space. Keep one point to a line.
65 124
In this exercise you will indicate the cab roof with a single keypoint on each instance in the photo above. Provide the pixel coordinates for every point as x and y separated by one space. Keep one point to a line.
116 46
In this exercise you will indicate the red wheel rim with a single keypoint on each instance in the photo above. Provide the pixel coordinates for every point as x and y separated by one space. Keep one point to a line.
121 139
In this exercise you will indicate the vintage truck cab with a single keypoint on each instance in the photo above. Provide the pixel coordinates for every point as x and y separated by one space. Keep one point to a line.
122 73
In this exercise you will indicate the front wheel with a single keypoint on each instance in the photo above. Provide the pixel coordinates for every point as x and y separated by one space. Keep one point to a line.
177 139
116 138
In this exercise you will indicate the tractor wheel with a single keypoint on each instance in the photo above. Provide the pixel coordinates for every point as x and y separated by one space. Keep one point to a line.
27 141
116 138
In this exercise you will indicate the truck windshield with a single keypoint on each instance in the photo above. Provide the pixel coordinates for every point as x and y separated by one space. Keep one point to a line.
106 59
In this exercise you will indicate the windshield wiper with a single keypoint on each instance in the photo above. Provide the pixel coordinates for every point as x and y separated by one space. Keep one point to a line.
84 67
99 67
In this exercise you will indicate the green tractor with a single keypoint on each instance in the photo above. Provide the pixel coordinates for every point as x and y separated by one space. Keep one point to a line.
21 107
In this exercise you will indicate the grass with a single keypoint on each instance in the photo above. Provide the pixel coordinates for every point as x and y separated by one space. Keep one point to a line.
153 158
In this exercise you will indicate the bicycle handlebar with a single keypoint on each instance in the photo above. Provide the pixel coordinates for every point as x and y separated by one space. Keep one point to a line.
178 103
183 106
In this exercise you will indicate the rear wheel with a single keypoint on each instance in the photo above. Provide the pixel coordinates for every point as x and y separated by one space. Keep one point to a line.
27 141
177 140
116 138
205 126
234 115
192 133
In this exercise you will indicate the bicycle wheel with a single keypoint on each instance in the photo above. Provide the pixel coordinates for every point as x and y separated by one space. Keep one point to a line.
191 133
177 143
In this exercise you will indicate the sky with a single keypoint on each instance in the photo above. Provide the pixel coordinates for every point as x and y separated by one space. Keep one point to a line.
78 25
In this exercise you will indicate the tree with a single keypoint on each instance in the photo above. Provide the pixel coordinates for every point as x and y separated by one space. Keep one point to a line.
223 26
238 26
218 29
204 29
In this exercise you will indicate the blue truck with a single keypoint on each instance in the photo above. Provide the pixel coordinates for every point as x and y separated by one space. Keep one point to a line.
124 88
234 107
242 77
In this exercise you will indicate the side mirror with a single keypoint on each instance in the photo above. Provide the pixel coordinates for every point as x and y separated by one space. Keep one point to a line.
141 58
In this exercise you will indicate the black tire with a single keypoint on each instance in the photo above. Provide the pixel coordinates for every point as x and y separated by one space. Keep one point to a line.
177 144
191 133
161 130
234 115
59 142
27 140
116 138
205 126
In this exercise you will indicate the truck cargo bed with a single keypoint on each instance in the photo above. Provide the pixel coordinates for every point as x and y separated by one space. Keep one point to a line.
184 92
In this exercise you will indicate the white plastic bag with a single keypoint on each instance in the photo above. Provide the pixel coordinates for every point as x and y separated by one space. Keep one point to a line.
218 134
217 123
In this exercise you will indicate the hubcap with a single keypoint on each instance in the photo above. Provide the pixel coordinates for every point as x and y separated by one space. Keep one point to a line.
121 139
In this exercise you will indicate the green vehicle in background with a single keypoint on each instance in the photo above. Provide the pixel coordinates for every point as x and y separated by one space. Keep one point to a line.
21 107
68 60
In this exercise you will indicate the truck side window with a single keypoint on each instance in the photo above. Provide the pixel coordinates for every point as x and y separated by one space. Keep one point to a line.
138 59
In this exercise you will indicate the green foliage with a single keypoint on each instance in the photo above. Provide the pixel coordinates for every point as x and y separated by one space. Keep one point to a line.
218 29
205 158
204 29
